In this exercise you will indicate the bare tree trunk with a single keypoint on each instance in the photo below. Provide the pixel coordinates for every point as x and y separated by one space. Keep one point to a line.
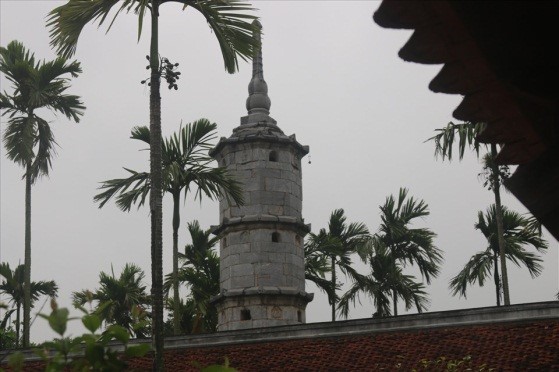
27 259
156 207
500 229
176 298
333 300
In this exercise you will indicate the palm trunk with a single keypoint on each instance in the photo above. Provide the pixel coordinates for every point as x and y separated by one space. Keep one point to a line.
27 259
156 207
497 280
18 320
176 299
500 229
395 302
333 300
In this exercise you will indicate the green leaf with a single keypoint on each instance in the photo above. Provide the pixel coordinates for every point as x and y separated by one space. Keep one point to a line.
92 322
137 350
58 320
119 333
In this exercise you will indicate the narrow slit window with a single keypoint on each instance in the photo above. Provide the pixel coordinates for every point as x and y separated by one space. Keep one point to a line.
275 237
245 314
299 316
273 156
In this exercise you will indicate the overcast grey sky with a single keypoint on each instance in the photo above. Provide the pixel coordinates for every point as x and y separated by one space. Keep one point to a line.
335 80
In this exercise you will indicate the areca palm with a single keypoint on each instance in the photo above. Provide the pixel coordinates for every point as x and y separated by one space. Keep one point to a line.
120 300
28 138
385 280
185 164
200 272
317 265
519 232
467 137
338 243
237 37
13 284
414 246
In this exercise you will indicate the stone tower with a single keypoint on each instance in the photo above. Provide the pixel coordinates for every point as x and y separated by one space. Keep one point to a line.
262 278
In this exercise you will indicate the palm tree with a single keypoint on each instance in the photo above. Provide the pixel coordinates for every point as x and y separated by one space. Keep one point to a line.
28 138
13 284
317 265
120 300
338 244
519 232
185 164
237 37
408 245
385 280
467 137
200 272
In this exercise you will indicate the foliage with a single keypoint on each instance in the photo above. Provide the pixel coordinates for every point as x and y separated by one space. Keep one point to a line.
200 273
185 162
519 232
407 245
386 279
90 351
121 301
13 286
317 265
338 243
28 138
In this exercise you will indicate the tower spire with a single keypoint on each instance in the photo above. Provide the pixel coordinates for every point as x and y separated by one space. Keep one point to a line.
258 101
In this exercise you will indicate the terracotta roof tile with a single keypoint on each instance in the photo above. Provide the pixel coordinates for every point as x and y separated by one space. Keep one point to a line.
532 346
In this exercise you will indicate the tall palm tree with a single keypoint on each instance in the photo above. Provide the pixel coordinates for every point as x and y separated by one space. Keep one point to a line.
13 284
408 245
385 281
519 232
185 164
200 273
119 299
467 137
28 137
338 243
237 37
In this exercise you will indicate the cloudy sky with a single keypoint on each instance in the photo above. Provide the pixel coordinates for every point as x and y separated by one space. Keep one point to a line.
334 79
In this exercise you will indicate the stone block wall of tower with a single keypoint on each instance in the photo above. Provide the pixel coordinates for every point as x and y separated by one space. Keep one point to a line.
271 175
265 250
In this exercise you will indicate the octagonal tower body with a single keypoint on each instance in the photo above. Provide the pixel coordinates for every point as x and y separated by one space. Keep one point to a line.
262 278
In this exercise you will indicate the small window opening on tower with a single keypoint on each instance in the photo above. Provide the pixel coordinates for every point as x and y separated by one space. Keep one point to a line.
299 316
297 239
275 237
245 314
273 156
224 242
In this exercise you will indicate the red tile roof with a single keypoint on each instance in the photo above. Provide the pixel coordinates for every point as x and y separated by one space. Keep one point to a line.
513 346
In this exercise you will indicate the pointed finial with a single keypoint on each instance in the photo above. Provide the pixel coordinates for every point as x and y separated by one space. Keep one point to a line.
258 100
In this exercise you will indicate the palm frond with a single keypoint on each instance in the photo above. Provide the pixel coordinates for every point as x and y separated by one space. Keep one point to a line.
230 22
66 22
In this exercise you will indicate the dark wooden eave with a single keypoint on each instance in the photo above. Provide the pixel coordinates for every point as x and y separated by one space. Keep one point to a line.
499 56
